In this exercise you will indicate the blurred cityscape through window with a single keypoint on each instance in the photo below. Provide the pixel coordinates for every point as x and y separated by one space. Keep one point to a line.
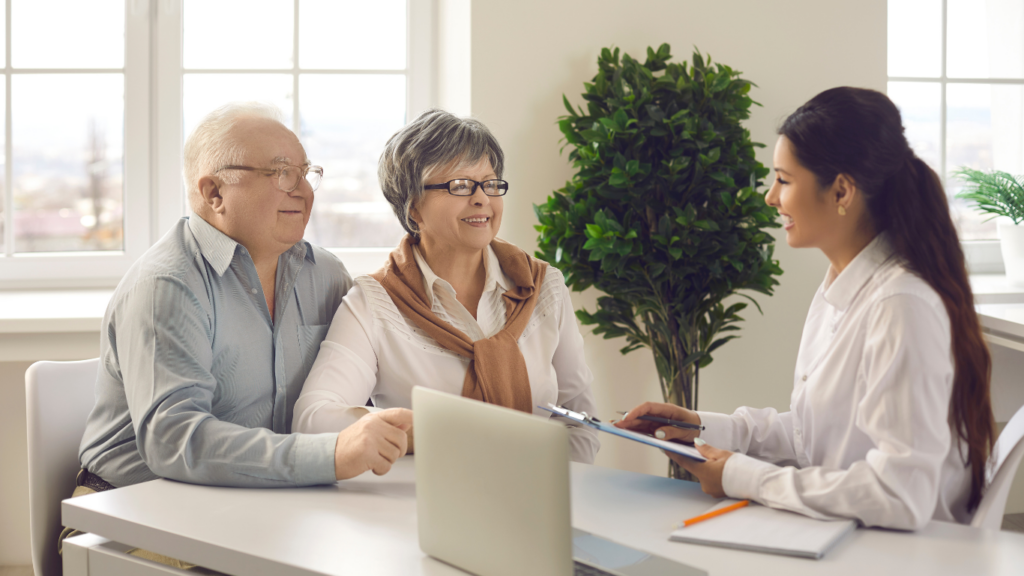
67 125
337 69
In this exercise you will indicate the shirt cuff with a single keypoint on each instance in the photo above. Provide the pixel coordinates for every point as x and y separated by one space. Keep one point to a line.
742 476
717 430
314 458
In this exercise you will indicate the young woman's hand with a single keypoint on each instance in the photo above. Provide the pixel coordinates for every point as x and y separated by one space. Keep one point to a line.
663 431
709 473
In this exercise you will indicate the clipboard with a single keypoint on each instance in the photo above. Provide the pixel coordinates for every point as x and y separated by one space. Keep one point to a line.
582 418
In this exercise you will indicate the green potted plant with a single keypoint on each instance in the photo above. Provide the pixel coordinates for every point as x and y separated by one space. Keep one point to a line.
663 214
1000 194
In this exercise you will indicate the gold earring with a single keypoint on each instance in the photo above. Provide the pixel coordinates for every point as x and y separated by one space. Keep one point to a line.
842 211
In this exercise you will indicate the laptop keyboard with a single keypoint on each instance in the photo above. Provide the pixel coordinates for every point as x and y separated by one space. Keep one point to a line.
580 569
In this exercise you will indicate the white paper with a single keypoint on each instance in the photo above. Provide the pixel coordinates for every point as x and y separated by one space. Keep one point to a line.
762 529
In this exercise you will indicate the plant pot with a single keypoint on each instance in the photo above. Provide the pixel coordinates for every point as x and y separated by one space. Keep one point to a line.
1011 242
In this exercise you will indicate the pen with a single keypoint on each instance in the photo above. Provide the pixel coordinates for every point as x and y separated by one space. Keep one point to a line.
714 513
669 421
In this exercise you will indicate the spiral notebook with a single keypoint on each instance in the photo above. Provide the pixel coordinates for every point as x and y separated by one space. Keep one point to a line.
761 529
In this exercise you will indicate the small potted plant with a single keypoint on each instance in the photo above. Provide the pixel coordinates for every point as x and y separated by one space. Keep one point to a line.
1000 194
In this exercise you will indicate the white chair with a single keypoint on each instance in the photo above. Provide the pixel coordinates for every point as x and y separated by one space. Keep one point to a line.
59 396
1009 450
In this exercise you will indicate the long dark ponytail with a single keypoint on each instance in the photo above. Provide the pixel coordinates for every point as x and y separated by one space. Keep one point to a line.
859 132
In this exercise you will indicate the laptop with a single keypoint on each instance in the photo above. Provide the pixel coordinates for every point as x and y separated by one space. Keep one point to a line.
492 495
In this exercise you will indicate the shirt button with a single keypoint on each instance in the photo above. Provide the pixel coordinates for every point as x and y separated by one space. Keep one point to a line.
804 378
254 291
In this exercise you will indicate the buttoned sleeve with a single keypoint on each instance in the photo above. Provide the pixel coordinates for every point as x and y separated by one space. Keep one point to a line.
344 373
574 379
765 433
907 372
165 362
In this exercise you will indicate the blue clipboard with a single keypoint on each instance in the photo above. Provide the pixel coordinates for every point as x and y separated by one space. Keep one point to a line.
582 418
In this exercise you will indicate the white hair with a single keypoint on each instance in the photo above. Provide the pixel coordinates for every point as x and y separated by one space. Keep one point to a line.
211 145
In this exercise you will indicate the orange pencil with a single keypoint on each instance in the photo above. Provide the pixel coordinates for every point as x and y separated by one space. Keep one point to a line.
714 513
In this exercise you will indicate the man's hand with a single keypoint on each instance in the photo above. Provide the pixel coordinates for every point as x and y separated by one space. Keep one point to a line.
663 431
709 473
374 442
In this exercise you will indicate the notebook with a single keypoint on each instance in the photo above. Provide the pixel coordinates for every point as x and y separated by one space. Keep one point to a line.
762 529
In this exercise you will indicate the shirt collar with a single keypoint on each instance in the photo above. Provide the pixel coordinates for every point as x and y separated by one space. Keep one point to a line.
215 246
218 248
303 249
841 289
494 278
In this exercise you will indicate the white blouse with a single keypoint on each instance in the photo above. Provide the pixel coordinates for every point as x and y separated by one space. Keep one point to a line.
867 435
374 351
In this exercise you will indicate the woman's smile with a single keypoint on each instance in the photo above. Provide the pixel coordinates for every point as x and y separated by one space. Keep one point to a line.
478 220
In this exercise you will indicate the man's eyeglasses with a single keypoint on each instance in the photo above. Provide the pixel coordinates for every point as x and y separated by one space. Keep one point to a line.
288 177
466 187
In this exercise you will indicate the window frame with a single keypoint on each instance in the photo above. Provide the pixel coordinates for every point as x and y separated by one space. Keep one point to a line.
154 198
85 269
983 256
420 95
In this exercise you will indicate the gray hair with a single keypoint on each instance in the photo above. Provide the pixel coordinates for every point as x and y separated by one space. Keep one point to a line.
211 145
431 142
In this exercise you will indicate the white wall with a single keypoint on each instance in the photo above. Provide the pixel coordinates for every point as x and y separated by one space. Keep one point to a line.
14 534
527 53
14 541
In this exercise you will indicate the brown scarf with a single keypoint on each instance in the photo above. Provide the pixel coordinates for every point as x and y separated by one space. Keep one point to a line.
497 371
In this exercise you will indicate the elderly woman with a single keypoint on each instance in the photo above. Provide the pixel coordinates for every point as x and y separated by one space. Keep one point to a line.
454 308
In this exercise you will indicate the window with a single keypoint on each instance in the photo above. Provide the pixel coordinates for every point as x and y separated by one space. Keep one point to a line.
336 68
956 71
92 157
66 149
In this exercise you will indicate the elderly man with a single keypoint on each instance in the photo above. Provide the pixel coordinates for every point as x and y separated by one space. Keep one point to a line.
209 336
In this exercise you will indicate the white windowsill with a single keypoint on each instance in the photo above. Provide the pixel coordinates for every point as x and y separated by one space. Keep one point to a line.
40 324
995 289
52 311
65 324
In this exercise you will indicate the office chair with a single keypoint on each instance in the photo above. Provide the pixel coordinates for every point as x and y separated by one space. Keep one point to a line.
59 396
1006 457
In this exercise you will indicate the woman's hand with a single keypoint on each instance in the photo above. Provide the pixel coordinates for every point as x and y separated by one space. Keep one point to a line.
709 473
662 431
374 442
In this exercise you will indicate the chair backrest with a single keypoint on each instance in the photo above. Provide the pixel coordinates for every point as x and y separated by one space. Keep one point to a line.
59 396
1006 457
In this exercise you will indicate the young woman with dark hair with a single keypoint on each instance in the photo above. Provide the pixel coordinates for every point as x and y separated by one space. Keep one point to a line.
890 419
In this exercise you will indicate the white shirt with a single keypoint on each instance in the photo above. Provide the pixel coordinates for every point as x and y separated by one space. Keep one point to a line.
867 435
374 351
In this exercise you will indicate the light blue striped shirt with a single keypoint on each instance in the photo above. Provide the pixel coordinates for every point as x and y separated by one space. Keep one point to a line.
197 382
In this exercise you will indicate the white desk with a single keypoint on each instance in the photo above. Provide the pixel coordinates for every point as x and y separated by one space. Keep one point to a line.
367 526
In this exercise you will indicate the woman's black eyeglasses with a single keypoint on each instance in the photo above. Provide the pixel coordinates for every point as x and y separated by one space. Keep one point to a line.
467 187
